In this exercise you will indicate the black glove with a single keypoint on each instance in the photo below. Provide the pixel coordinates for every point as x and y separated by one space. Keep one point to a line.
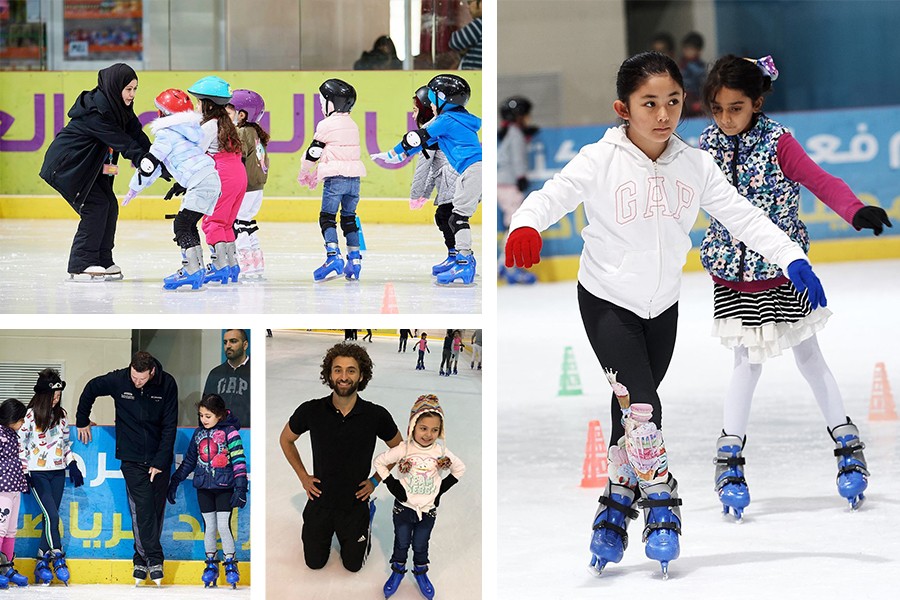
173 488
28 483
448 482
147 164
175 190
396 488
239 496
75 475
165 173
522 183
871 217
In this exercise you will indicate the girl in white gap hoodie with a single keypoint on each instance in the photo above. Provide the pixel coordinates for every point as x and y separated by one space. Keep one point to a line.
642 189
420 462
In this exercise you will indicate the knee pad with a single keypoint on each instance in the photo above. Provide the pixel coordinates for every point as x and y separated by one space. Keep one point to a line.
442 215
348 224
327 221
185 226
458 222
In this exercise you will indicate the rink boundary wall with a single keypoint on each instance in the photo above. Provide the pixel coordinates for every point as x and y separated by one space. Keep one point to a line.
275 209
562 268
177 572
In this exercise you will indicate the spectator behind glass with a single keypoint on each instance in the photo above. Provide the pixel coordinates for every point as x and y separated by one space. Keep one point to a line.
693 69
382 56
664 43
468 39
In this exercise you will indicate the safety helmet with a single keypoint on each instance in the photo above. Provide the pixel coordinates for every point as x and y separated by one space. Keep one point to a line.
515 107
426 113
340 93
448 91
173 101
250 102
212 88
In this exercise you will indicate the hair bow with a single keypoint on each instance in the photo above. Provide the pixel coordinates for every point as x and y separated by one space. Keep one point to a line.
766 64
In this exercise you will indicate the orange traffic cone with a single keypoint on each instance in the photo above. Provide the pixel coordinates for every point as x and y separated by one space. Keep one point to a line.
595 460
389 303
881 405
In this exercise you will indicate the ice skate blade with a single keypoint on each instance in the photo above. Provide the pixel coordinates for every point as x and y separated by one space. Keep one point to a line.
117 277
327 278
85 278
455 283
596 567
737 517
856 503
665 569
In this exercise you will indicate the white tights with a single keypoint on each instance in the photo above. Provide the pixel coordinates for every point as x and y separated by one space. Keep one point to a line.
813 368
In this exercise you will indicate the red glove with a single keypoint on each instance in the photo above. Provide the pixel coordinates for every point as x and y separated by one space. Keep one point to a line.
523 248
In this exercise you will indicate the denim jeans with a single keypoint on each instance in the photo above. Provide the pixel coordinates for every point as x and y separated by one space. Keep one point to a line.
340 192
408 529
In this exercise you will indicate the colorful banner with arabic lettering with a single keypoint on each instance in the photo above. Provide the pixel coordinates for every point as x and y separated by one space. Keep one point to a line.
95 517
861 146
33 109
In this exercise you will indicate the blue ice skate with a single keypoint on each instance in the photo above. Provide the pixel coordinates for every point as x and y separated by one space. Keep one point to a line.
853 474
234 272
331 268
730 483
214 273
462 272
8 571
4 583
42 573
610 538
425 587
662 522
398 570
210 575
353 265
446 264
180 278
516 276
232 575
60 568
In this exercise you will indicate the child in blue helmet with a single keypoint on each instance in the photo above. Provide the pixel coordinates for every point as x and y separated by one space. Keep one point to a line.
177 147
456 132
335 150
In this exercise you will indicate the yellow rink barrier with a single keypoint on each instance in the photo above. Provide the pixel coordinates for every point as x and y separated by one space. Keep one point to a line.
177 572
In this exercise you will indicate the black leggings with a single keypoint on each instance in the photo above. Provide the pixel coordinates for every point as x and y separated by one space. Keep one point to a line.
638 349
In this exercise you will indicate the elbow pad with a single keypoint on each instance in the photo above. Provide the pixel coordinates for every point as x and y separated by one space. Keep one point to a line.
148 164
414 139
314 152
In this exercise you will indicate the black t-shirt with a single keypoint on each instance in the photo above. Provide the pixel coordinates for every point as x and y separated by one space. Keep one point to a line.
342 446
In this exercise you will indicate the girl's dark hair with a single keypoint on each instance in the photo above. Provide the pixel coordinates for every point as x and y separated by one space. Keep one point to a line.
260 132
735 73
11 411
46 416
228 135
354 351
640 67
214 404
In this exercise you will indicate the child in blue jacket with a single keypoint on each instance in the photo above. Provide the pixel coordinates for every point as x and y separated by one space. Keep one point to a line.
177 146
456 132
216 458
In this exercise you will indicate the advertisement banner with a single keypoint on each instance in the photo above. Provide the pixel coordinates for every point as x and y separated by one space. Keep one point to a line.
33 109
860 146
96 520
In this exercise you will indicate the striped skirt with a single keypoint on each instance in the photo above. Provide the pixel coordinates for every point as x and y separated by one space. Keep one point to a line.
765 322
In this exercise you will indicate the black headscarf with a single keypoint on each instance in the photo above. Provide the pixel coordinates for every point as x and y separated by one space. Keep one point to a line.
111 81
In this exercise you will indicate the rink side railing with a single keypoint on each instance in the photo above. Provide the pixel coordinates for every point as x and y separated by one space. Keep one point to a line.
33 109
861 146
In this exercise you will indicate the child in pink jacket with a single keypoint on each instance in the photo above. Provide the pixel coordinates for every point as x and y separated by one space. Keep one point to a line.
335 147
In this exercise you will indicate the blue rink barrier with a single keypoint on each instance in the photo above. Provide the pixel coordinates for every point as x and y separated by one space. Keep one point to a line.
861 146
95 517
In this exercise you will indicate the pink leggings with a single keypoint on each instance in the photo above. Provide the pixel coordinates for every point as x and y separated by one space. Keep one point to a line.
9 518
219 226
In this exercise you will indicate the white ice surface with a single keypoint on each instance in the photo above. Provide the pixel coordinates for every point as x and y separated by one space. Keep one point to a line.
292 376
125 592
799 540
34 257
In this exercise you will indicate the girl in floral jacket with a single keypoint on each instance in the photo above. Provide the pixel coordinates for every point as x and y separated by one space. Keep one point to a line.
216 458
758 312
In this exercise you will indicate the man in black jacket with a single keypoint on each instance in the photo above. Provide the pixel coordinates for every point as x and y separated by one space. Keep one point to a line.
146 402
231 379
82 162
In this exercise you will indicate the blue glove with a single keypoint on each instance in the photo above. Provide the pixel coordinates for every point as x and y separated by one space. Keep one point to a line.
75 475
239 496
801 275
173 489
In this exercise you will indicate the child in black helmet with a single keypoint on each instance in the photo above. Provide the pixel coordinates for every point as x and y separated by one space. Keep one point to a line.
335 149
456 132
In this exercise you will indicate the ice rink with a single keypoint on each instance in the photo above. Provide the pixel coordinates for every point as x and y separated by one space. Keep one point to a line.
124 592
397 264
293 363
798 539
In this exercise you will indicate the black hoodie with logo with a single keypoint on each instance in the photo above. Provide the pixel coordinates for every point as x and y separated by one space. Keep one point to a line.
146 418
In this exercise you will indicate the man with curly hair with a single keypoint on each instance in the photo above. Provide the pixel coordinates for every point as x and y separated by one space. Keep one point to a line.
343 429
